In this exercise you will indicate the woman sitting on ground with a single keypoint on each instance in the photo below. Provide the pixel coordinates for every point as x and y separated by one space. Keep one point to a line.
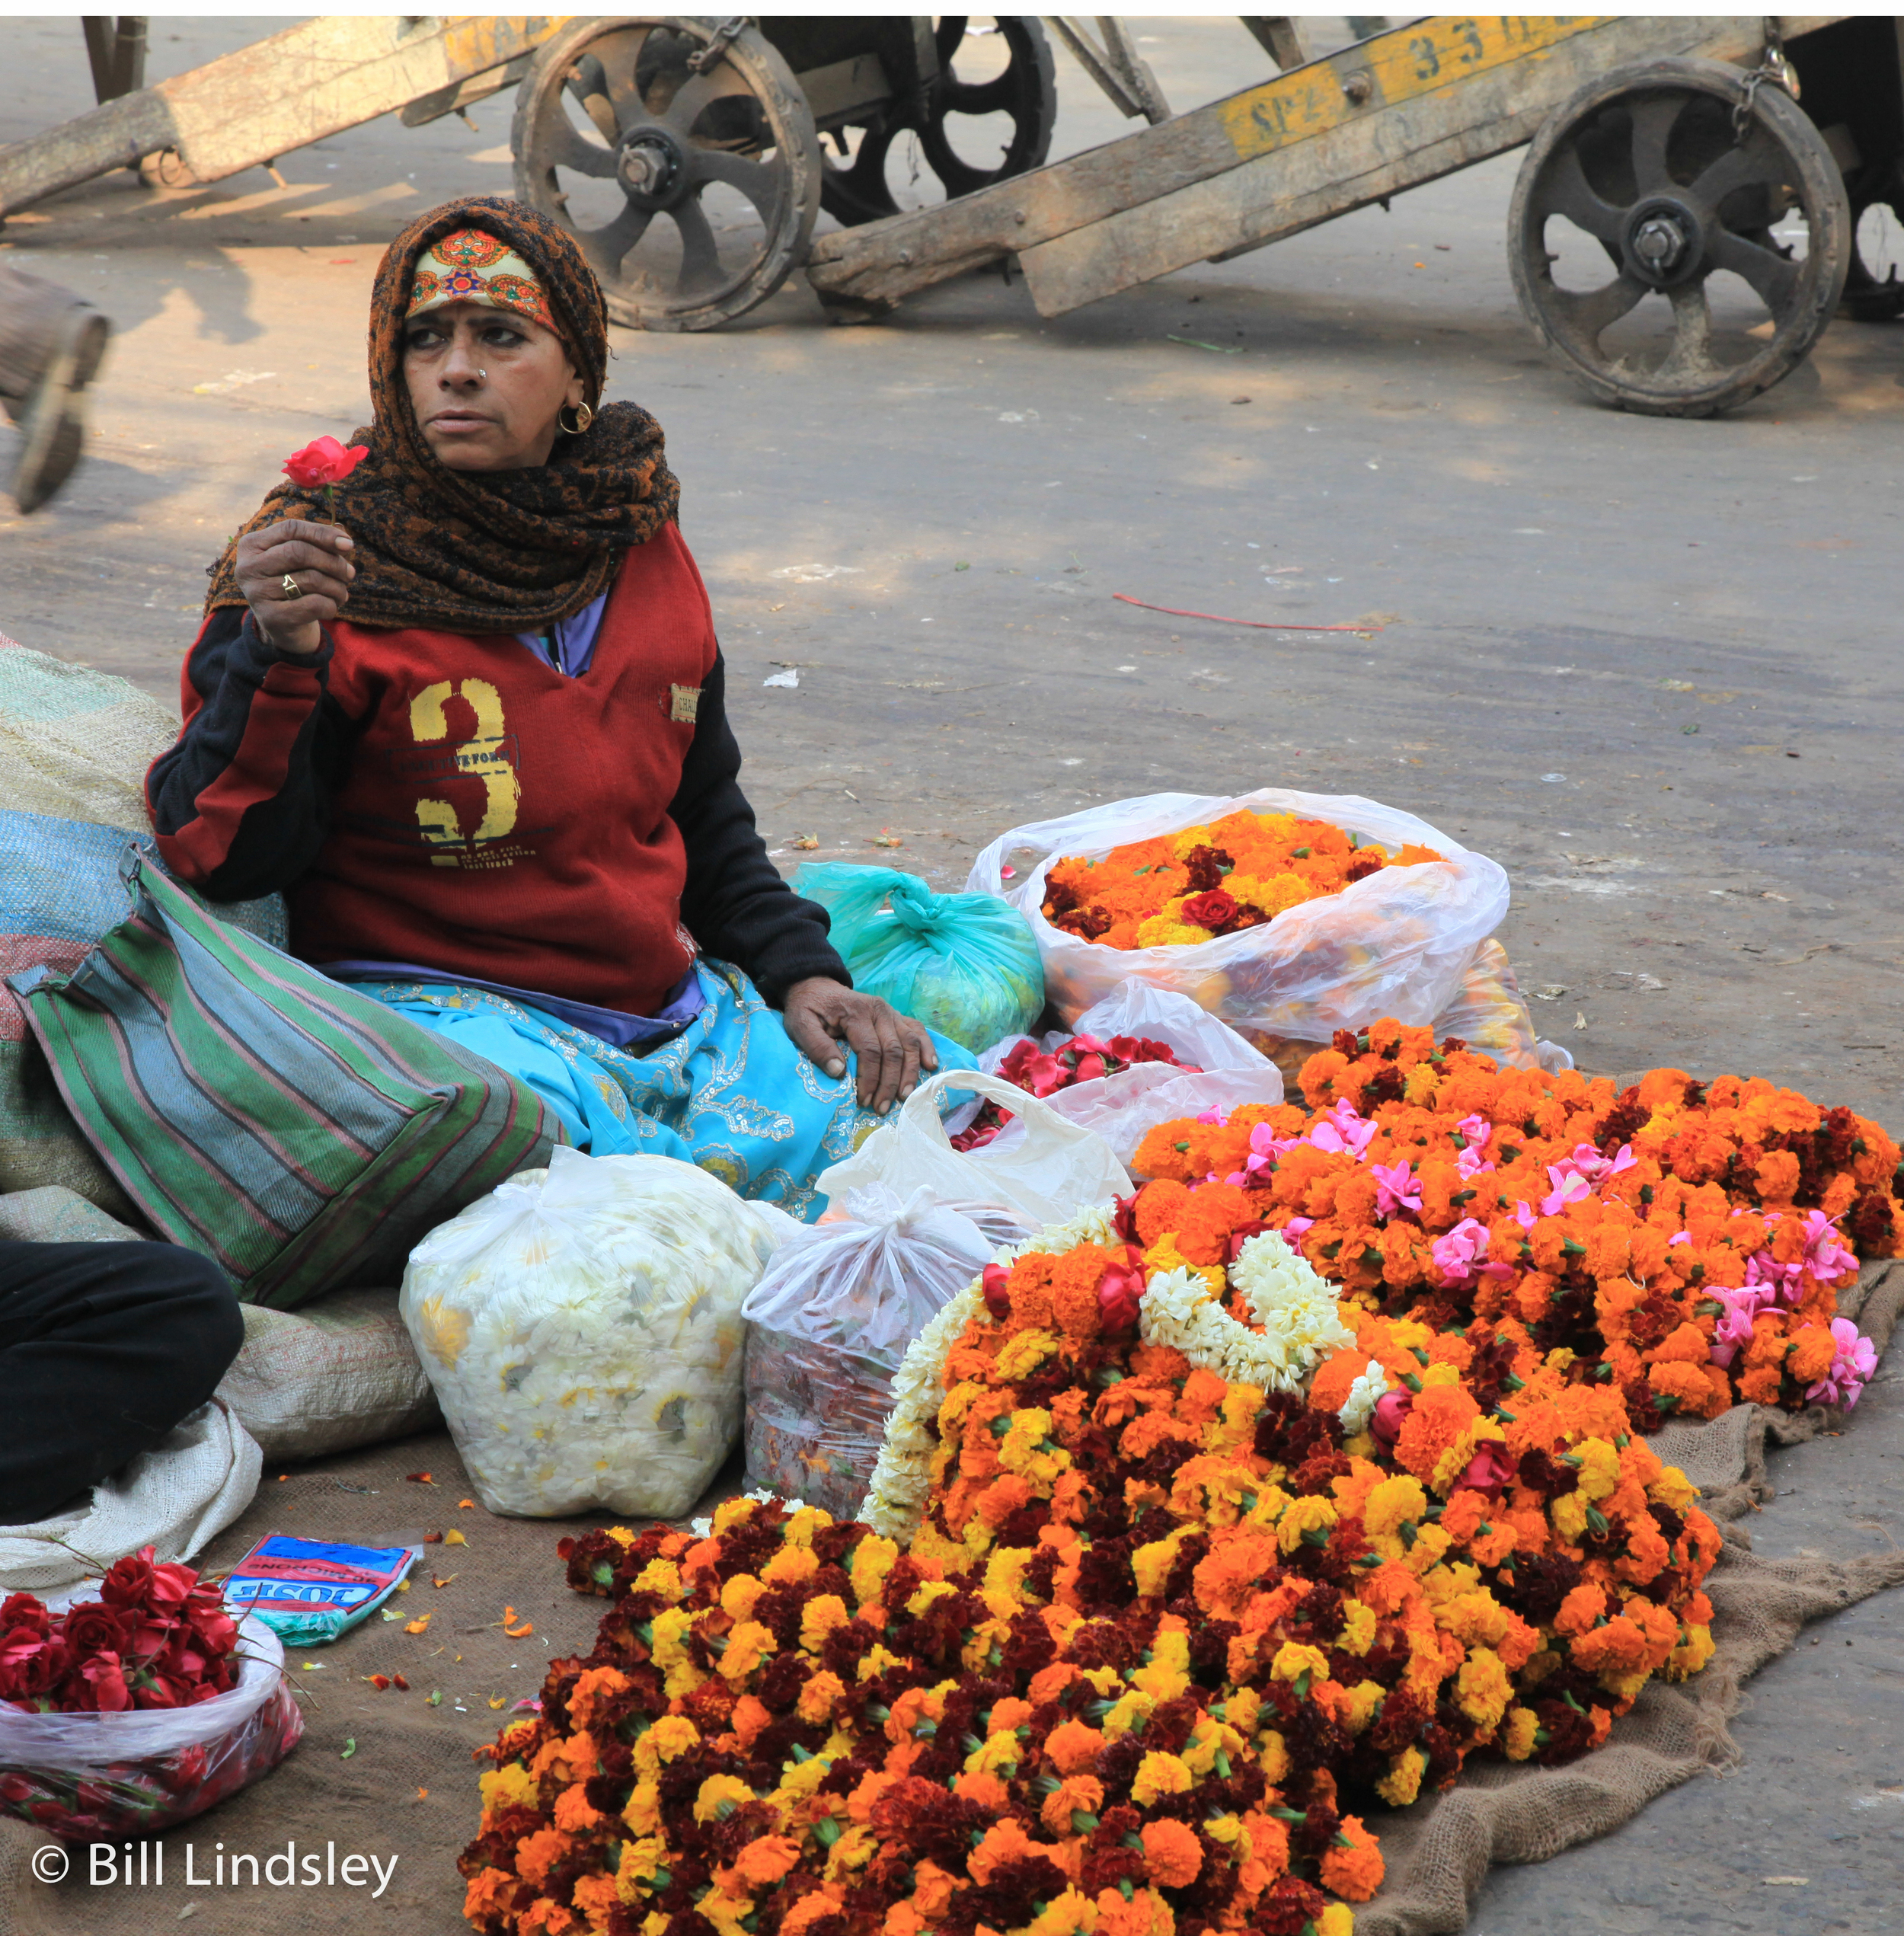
475 730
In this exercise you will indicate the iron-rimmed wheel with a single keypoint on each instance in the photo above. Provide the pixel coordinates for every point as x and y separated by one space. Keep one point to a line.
1025 90
683 158
1678 170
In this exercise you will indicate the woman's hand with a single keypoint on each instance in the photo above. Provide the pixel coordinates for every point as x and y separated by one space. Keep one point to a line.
892 1047
316 558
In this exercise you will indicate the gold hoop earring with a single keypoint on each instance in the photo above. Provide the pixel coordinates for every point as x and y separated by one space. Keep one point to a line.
584 416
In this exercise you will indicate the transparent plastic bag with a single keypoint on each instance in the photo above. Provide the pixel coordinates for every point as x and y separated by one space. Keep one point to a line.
581 1325
1488 1013
1122 1107
828 1323
98 1777
1398 943
1053 1170
961 963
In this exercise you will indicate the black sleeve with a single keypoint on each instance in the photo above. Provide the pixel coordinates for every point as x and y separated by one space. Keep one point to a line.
735 904
242 801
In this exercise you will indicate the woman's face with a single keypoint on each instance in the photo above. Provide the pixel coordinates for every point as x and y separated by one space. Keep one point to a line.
486 385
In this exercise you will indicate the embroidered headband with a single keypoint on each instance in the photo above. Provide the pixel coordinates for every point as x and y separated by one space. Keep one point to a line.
471 266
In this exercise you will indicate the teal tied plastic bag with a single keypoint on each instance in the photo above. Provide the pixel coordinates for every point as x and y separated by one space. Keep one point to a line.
965 964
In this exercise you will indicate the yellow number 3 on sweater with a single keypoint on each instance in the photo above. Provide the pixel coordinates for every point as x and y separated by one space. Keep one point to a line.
483 756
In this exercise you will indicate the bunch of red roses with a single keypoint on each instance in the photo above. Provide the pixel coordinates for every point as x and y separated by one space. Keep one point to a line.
155 1637
1044 1071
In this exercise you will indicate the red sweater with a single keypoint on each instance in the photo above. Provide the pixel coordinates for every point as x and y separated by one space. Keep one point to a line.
461 805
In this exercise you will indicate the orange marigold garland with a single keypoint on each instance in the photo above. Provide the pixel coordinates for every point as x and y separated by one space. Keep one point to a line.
1684 1241
1239 872
1163 1640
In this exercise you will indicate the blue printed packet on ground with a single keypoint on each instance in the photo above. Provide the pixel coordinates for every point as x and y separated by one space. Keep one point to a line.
310 1591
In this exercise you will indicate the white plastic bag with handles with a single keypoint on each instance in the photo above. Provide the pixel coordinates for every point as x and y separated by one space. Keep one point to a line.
1227 1073
1052 1170
1398 943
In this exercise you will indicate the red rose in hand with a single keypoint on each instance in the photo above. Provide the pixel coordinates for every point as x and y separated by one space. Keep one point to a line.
324 461
1215 910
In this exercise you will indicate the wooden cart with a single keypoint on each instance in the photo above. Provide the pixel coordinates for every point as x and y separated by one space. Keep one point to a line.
1668 151
685 153
1668 159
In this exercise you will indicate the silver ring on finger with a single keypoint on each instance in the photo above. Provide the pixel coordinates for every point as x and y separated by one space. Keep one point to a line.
290 586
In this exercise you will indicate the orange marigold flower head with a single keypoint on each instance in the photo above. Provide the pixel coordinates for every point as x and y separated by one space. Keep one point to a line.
1160 1207
1355 1873
1029 1286
1172 1854
1004 1841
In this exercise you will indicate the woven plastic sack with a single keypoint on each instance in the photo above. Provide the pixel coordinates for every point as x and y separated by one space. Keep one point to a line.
1051 1170
1398 943
74 745
828 1324
97 1777
960 963
328 1378
582 1326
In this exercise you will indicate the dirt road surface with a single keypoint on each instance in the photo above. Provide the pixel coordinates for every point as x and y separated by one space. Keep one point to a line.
1649 665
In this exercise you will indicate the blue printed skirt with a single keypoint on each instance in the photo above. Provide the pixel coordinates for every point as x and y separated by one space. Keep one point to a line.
730 1092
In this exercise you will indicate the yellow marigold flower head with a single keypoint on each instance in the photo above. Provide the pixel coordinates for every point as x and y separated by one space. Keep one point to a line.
643 1813
799 1530
1392 1501
1272 1757
1691 1655
1240 1709
933 1590
730 1512
1151 1564
800 1779
511 1786
817 1696
818 1618
1569 1513
661 1577
1517 1737
1069 1913
1338 1919
1401 1785
873 1559
1599 1468
747 1646
1293 1660
1132 1706
1674 1489
1442 1373
999 1754
790 1566
1364 1699
1310 1512
719 1796
1019 1444
1482 1688
1182 844
738 1596
1358 1627
670 1629
671 1736
1159 1774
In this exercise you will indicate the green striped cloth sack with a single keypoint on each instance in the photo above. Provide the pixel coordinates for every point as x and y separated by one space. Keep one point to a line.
298 1133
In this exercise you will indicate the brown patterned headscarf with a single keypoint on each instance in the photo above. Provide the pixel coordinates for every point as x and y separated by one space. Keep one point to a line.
485 550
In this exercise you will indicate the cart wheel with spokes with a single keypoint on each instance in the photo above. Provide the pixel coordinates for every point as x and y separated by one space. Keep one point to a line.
1696 184
681 156
972 132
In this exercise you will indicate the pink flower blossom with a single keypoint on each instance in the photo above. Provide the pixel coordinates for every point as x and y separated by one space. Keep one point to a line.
1492 1467
1475 1130
1827 1257
1587 1163
1458 1254
1391 1409
1523 1216
1569 1187
1396 1188
1851 1370
1733 1329
1342 1129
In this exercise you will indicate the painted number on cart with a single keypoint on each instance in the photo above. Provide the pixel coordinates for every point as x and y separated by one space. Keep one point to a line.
1386 72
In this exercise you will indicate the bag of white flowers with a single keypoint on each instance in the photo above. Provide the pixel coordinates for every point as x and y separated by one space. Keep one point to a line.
581 1325
1289 915
829 1322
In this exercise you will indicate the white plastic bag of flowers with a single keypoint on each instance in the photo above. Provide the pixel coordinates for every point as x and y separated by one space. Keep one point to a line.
581 1325
1399 942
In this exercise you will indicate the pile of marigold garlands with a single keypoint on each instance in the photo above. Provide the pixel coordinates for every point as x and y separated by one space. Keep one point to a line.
1239 872
1682 1242
1141 1631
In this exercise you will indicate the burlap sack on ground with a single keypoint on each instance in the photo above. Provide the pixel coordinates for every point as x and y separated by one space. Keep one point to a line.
408 1786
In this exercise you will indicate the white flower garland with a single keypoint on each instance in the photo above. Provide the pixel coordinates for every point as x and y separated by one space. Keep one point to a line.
1364 1395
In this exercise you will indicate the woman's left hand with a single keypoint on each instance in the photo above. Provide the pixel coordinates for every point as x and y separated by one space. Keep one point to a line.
892 1047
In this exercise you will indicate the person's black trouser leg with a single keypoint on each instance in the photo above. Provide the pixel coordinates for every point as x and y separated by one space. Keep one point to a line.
103 1348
